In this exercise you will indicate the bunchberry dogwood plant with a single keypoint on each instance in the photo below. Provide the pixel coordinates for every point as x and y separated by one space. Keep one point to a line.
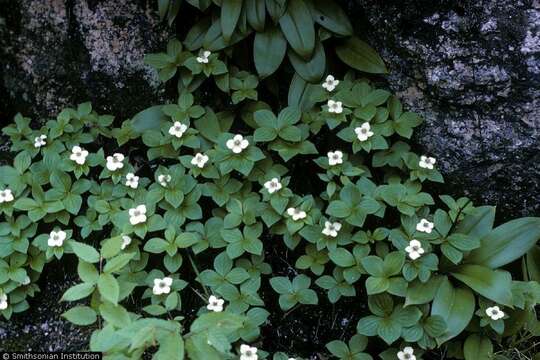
261 196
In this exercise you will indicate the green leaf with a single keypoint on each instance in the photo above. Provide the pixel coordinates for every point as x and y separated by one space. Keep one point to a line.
492 284
256 13
264 134
148 119
115 314
281 285
342 257
338 348
230 12
118 262
506 243
339 208
269 49
477 347
77 292
80 315
422 293
85 252
478 223
297 26
329 15
359 55
455 306
313 69
108 288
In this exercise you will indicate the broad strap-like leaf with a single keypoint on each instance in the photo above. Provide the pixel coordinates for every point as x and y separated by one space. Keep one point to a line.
455 306
492 284
297 26
506 243
359 55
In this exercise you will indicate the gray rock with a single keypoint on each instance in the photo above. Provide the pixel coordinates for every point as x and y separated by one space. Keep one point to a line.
56 53
472 70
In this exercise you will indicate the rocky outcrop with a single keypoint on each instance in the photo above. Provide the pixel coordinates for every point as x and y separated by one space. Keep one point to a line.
472 70
57 53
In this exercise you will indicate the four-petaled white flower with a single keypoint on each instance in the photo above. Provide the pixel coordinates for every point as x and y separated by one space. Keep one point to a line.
494 313
335 157
331 228
3 301
335 106
296 214
273 185
115 162
199 160
164 180
406 354
426 162
424 226
126 240
414 249
178 129
162 286
78 155
6 196
248 352
137 215
203 58
237 144
56 238
132 180
39 141
215 304
363 132
330 83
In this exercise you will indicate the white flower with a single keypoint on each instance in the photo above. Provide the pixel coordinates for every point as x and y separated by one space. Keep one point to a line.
331 229
414 249
424 226
199 160
3 302
273 185
203 58
126 240
6 196
335 157
115 162
363 132
248 353
426 162
406 354
335 106
56 238
296 214
137 215
164 180
330 83
215 304
178 129
40 141
494 313
162 286
78 155
237 144
132 180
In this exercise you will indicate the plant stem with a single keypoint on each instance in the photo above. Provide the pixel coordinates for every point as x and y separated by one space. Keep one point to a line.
194 266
